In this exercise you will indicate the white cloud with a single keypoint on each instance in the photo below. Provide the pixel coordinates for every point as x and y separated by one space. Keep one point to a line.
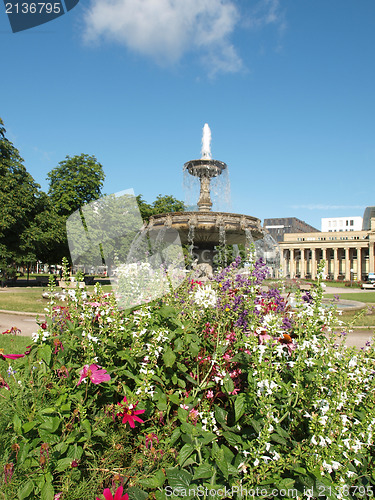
328 207
167 29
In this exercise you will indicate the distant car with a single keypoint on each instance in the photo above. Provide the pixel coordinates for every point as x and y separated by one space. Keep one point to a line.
370 283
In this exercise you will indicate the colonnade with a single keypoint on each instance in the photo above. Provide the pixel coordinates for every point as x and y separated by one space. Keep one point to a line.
343 262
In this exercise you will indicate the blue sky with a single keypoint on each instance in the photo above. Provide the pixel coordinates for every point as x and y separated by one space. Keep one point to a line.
286 86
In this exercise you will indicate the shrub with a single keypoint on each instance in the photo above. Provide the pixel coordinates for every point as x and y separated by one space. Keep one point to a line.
218 389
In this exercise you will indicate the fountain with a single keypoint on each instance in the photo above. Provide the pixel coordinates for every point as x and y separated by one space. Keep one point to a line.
204 231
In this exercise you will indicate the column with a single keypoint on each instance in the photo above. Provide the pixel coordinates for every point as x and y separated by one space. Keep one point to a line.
313 263
284 262
347 264
325 252
359 264
335 264
371 262
302 263
292 264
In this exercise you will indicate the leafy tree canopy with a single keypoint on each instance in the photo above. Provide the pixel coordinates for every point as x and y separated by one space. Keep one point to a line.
75 181
162 204
21 200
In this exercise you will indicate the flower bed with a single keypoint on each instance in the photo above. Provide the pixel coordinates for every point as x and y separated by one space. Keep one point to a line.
217 390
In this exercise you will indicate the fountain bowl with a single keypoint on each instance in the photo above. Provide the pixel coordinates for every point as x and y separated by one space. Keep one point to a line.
206 228
205 167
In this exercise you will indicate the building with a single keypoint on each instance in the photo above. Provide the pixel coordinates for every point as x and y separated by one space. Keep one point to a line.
348 255
278 227
340 224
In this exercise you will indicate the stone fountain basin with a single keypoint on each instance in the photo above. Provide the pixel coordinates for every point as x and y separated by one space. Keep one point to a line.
208 227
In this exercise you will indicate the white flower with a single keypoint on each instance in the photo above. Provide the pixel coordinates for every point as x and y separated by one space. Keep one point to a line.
205 297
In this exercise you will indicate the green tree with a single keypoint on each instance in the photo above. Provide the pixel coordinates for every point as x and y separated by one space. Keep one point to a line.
167 203
21 200
75 181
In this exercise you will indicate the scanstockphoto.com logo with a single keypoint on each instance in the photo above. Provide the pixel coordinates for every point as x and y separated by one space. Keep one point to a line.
26 14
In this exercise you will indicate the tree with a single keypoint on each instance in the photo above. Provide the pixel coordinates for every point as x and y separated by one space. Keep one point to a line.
167 203
75 181
21 200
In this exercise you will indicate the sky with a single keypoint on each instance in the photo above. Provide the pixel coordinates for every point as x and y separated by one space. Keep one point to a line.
286 87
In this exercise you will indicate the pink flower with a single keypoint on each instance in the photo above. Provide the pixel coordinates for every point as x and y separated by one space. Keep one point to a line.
193 415
12 356
150 438
129 415
8 472
210 394
118 495
94 373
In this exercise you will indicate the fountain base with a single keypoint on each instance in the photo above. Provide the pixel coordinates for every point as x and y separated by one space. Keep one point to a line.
204 231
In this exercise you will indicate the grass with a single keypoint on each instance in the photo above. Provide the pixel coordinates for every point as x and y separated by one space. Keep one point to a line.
367 297
29 299
23 299
14 344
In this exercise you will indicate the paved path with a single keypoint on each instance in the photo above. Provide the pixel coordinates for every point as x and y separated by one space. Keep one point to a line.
26 322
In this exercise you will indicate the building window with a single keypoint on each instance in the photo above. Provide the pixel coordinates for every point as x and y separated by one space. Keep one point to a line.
352 222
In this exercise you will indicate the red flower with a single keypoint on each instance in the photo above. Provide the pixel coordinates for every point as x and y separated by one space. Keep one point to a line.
118 495
12 331
130 414
94 373
11 356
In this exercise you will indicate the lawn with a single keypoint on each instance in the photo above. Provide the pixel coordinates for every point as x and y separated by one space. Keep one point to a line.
29 299
365 296
14 344
23 299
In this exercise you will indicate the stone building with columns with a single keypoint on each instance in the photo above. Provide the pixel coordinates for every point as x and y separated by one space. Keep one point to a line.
348 255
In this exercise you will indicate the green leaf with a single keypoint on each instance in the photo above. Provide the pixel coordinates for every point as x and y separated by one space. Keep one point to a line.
87 427
175 398
45 353
28 426
232 438
175 435
228 384
50 424
17 424
178 478
204 471
221 415
222 463
136 493
159 478
156 481
47 492
194 349
277 439
185 453
25 490
239 406
63 464
169 357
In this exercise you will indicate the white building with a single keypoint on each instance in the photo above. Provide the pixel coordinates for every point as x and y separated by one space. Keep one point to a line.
339 224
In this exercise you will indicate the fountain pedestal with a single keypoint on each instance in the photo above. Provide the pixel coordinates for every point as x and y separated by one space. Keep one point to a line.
204 230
